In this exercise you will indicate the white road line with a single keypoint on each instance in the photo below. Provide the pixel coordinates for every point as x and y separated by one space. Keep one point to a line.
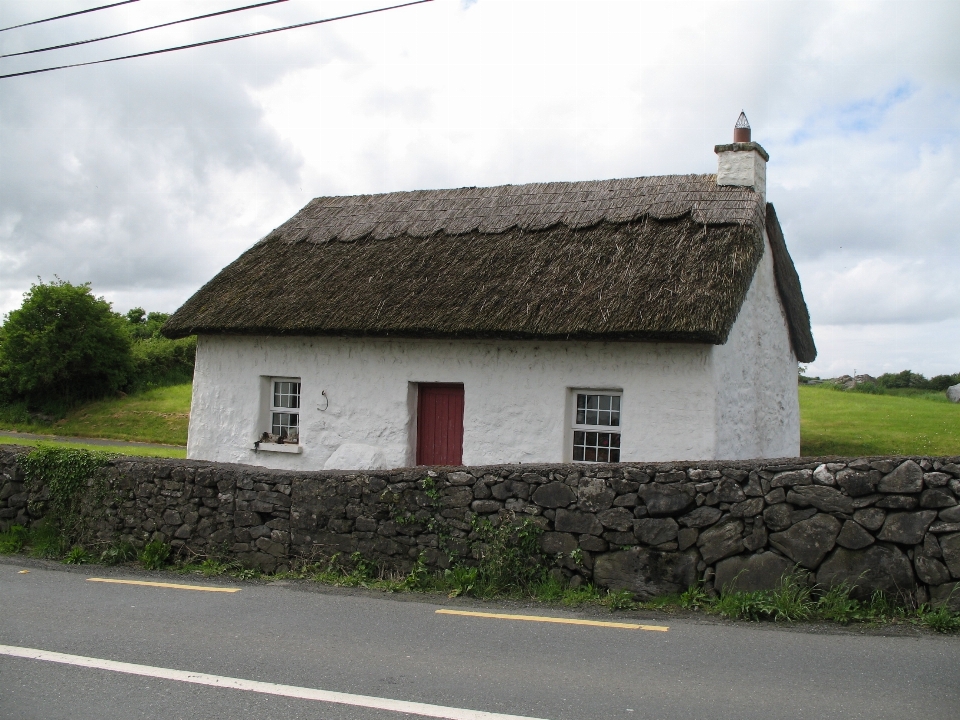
219 681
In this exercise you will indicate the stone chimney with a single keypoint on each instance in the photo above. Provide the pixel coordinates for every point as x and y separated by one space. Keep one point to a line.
742 162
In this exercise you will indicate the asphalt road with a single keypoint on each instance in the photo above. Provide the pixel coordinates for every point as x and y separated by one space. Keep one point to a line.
401 649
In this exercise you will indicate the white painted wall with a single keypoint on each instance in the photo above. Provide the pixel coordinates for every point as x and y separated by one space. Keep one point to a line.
680 401
515 397
755 375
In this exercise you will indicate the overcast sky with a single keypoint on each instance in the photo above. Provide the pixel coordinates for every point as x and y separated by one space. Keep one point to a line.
145 177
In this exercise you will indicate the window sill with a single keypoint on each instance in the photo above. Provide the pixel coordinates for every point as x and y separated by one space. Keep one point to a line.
274 447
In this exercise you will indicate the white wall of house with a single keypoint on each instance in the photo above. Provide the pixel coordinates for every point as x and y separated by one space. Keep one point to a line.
680 401
755 375
515 396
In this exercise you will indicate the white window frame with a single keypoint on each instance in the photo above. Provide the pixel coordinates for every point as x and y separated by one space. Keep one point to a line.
575 427
285 409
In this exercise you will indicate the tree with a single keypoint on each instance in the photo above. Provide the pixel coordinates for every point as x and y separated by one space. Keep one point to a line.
63 345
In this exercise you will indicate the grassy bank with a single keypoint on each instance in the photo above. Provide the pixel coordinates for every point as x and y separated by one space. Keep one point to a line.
159 415
910 422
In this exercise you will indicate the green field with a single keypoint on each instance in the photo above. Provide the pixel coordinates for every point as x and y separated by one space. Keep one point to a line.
832 422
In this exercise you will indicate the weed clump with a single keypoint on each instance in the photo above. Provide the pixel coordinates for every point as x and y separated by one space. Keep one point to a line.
154 555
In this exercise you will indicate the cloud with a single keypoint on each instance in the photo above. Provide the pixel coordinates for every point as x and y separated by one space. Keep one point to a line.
146 177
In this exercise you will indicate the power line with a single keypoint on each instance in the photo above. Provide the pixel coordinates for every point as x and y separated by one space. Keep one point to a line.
60 17
214 42
152 27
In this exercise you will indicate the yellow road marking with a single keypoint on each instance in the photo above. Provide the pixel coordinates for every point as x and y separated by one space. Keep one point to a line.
175 586
562 621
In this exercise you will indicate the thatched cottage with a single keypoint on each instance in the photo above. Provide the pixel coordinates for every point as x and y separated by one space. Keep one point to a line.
642 319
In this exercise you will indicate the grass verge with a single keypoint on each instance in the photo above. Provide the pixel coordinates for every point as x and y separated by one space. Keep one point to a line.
837 422
172 452
792 602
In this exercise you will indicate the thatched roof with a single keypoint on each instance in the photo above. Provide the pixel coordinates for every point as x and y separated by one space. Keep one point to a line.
658 258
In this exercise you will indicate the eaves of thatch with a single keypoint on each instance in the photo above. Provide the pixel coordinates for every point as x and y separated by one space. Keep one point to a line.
666 258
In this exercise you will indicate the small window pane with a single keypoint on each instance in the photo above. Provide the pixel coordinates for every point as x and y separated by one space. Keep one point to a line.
577 453
615 403
614 455
590 454
581 401
593 401
592 418
604 402
603 455
581 416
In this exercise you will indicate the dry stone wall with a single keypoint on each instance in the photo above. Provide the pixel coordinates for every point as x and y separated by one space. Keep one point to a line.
890 524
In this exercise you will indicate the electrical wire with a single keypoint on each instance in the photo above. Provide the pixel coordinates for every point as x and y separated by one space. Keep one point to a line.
60 17
152 27
214 42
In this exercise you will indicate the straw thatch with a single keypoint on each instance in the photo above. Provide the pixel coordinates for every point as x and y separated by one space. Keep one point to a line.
788 285
663 258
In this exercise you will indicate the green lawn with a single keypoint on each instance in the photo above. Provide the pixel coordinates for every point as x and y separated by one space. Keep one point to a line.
157 416
833 422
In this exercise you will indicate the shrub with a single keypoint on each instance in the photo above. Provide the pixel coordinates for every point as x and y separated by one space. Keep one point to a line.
62 345
510 559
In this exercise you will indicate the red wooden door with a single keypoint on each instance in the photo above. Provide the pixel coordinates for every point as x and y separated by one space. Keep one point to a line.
440 424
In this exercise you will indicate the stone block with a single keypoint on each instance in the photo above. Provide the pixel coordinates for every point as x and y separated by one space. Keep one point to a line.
721 540
554 495
947 594
898 502
577 522
655 531
879 567
857 482
907 478
593 544
906 528
593 495
792 478
747 508
870 518
646 573
778 517
662 500
807 542
930 570
826 499
703 516
937 498
616 519
853 536
749 573
950 548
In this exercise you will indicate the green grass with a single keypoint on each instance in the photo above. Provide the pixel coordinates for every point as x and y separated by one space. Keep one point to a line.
834 422
172 452
159 415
